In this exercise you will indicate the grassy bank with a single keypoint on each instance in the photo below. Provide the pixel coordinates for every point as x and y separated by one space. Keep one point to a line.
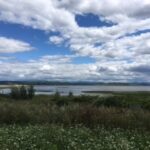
71 138
90 111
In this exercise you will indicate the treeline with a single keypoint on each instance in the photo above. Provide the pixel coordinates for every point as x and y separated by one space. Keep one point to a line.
22 92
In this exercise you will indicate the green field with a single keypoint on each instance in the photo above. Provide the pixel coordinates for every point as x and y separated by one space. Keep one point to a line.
117 122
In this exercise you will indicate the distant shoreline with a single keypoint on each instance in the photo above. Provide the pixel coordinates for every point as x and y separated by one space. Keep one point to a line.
73 83
113 92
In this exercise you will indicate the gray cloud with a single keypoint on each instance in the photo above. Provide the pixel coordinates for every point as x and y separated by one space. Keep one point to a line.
143 69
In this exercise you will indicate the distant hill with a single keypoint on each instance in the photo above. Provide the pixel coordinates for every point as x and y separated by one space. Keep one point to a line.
68 83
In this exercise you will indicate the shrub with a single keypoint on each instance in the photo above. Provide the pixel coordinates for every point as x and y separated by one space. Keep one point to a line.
62 101
56 96
70 95
31 91
113 101
15 93
23 92
147 105
83 99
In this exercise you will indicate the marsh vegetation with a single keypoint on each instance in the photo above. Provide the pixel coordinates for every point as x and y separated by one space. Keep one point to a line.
76 122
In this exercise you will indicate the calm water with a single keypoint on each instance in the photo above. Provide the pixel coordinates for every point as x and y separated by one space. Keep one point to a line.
78 89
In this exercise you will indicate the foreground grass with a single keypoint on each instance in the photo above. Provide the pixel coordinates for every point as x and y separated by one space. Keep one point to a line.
71 138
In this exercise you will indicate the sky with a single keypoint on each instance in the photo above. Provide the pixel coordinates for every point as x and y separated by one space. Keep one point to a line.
75 40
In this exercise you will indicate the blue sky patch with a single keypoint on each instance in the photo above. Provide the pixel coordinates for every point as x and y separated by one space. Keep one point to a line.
137 33
37 38
91 20
83 60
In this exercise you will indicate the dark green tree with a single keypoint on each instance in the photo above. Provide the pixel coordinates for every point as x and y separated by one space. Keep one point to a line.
56 96
31 91
70 94
15 93
23 92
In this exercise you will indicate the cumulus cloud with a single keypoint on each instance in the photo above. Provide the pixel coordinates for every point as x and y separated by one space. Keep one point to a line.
56 39
51 68
8 45
36 13
46 67
108 8
116 48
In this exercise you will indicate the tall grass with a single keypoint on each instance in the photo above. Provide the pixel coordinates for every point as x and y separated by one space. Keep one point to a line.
44 110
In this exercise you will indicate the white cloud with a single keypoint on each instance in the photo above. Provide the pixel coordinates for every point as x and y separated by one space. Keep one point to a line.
36 13
109 8
57 59
45 68
56 39
51 68
8 45
114 51
127 47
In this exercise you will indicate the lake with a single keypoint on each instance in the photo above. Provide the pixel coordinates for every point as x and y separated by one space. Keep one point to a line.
82 89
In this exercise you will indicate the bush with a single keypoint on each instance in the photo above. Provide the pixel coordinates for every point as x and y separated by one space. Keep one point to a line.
23 92
147 106
62 101
114 101
70 95
15 93
31 91
56 96
83 99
